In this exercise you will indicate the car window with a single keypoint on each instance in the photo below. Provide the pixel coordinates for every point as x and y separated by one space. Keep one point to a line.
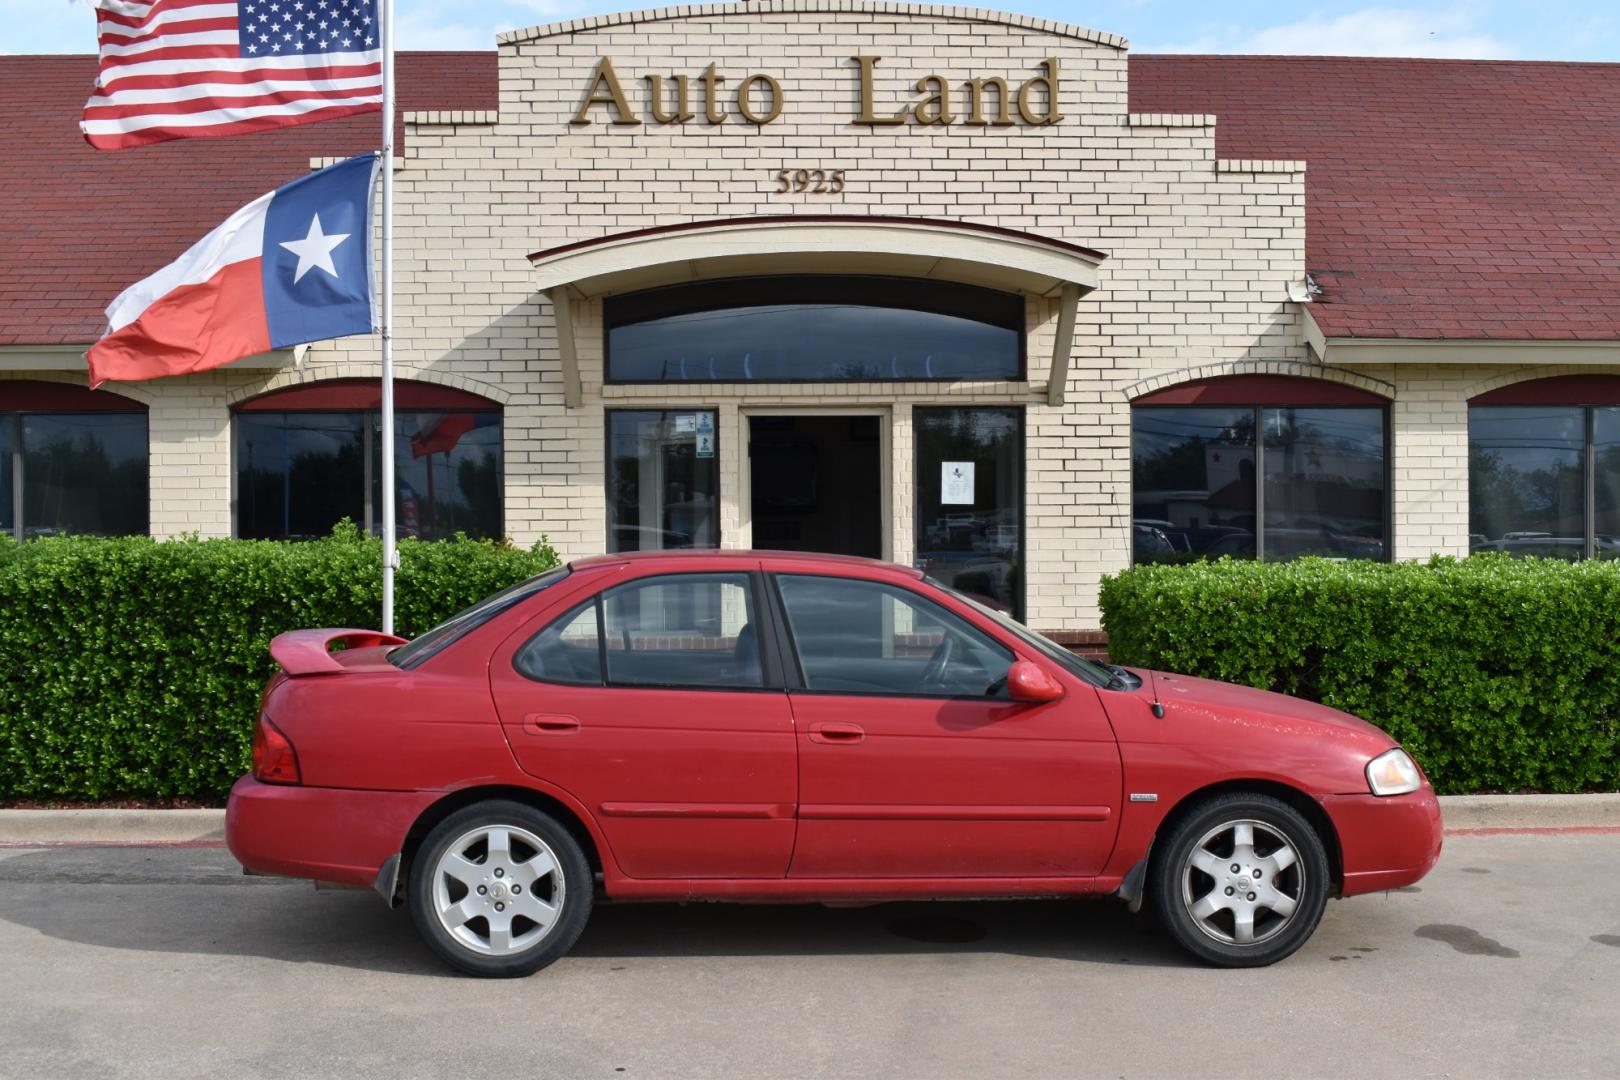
1089 670
691 630
866 637
684 630
464 622
567 651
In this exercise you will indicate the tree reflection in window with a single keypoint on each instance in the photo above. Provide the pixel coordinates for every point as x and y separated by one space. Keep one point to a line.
1530 467
300 473
1197 494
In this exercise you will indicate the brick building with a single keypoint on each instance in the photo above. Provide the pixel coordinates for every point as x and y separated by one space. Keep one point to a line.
957 288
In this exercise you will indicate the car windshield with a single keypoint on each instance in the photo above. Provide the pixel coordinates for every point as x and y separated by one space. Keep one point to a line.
414 652
1089 670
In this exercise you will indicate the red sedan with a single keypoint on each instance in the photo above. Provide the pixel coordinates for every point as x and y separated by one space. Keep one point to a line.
760 726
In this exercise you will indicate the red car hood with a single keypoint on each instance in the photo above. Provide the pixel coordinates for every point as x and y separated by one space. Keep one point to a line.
1200 695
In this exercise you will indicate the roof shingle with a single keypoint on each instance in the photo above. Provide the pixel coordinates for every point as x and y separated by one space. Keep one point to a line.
78 225
1444 198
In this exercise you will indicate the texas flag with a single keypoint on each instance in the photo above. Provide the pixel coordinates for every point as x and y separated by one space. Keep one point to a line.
290 267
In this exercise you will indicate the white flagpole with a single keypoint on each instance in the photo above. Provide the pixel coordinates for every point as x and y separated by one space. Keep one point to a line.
390 553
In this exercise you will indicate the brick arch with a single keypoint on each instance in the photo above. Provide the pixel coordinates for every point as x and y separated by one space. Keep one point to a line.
1294 368
329 372
1533 373
137 393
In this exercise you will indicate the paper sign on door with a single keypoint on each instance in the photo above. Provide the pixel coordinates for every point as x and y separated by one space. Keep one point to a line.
956 483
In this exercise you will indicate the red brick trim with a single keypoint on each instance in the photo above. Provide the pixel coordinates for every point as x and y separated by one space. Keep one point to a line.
1091 644
1557 390
357 395
31 395
1284 390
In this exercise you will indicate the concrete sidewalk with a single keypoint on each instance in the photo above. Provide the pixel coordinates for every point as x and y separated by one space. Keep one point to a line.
1462 813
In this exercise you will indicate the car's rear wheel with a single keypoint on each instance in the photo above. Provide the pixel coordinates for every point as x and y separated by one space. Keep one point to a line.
500 889
1241 880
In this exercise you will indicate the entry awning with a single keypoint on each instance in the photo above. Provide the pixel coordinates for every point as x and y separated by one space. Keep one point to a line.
955 251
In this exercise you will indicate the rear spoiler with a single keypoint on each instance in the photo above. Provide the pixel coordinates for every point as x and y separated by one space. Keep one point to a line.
309 652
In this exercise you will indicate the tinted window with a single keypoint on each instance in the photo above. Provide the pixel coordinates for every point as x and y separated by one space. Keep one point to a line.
1193 483
1324 483
300 473
1606 481
663 480
1196 473
1527 479
870 638
688 630
567 651
794 329
970 482
83 473
447 468
469 619
8 428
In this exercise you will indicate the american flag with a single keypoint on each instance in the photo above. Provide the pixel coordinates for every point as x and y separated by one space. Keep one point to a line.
177 69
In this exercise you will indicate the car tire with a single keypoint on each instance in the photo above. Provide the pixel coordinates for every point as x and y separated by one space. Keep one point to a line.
500 889
1240 880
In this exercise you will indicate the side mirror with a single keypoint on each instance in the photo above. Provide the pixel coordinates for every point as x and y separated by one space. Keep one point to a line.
1029 682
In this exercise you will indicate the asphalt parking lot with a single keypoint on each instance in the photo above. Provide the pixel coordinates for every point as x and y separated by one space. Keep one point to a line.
165 962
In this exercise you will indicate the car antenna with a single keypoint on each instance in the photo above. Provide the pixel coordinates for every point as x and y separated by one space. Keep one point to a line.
1158 706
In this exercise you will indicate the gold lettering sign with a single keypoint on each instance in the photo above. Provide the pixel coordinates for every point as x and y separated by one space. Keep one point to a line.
980 101
935 106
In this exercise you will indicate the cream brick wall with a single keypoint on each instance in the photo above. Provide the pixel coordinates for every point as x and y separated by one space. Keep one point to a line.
1200 256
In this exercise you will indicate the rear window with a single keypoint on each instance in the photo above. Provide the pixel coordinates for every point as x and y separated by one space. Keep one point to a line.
452 629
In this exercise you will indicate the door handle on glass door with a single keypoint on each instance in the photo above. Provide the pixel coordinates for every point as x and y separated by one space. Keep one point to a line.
836 733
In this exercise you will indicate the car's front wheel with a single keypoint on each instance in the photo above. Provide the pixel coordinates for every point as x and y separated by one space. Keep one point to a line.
500 889
1241 880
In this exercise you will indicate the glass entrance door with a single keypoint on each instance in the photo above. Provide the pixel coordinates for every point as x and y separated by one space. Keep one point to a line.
970 501
815 483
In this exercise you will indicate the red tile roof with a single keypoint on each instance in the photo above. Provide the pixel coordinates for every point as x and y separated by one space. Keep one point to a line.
1457 199
1443 198
79 225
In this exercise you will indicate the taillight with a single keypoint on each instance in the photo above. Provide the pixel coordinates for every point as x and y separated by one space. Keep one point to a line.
274 759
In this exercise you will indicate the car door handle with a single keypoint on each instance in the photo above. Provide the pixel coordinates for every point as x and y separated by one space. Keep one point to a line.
551 724
836 733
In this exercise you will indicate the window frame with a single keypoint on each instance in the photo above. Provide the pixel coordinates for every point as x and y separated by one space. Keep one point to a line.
64 399
1588 459
793 665
370 426
1257 410
609 524
614 317
1021 483
770 660
594 602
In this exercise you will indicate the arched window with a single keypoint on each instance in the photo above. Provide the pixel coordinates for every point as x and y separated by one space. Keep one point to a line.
814 328
1265 466
309 456
72 460
1544 468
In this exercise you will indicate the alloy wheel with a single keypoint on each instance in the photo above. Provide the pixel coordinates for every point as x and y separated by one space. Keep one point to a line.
1242 883
498 890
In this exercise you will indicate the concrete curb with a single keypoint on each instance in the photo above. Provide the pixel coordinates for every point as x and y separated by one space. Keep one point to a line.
1595 811
1462 812
111 826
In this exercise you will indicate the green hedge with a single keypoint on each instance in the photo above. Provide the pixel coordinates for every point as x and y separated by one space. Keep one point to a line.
131 668
1499 674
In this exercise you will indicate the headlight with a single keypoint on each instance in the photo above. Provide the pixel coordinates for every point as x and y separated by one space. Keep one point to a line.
1393 773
